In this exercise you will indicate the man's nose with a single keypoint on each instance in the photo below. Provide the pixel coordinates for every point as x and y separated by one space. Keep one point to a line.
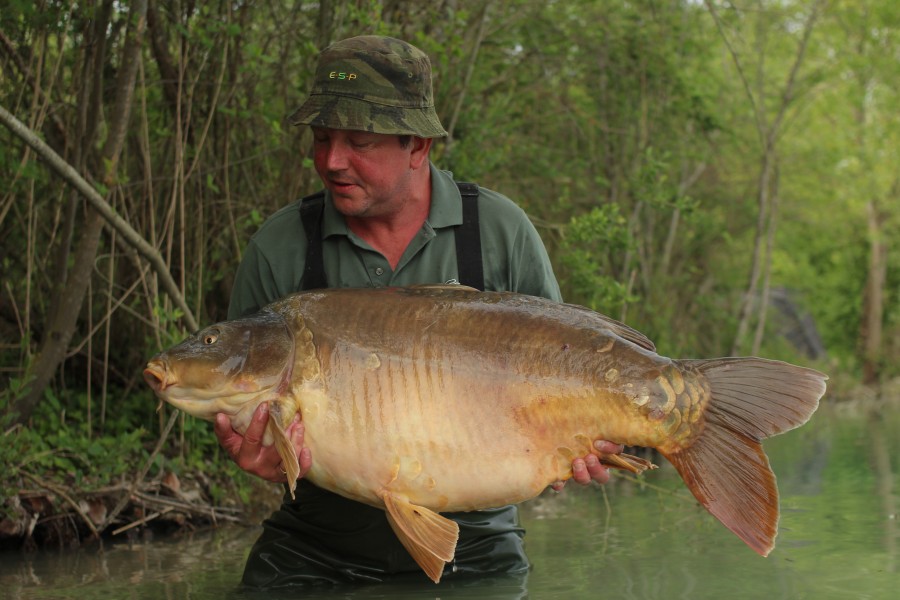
334 156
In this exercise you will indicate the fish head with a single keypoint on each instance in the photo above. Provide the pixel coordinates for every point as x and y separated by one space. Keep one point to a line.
229 367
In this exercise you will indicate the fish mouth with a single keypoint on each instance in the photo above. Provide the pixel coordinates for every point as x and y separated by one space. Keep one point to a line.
156 376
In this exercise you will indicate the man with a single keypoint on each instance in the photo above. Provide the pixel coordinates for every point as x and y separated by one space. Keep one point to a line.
388 218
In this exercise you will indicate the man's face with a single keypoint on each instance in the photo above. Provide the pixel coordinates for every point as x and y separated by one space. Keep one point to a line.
368 174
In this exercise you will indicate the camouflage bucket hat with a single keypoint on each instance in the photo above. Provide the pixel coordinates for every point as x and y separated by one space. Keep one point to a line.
372 83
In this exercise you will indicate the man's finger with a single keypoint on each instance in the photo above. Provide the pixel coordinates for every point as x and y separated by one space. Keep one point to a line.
249 452
605 447
257 427
222 427
228 438
596 471
579 472
296 433
305 461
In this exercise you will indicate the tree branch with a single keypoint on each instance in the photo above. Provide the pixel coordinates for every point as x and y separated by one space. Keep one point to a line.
470 68
132 237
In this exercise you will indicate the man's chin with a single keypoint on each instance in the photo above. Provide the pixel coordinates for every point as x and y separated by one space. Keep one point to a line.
350 205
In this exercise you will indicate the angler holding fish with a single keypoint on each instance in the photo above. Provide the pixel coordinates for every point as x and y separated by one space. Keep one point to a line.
387 217
435 399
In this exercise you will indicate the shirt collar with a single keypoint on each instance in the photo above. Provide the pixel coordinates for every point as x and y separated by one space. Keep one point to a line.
446 201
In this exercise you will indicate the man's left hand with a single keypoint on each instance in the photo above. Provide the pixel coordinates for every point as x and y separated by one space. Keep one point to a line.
588 469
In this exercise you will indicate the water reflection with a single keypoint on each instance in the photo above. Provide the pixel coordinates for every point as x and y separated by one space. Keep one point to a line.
838 538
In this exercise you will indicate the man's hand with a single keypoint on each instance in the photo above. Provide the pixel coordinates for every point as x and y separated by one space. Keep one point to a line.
588 469
249 452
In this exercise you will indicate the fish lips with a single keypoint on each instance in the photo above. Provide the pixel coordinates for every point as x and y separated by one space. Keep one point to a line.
156 376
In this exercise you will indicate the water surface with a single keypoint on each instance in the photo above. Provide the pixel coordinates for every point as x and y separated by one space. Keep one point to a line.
838 538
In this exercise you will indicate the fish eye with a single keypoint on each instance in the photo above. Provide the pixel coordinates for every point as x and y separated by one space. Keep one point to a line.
210 337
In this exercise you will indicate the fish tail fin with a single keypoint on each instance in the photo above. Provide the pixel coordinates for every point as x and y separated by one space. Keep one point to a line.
725 467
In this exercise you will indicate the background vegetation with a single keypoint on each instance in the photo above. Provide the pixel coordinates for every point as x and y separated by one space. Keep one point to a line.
721 175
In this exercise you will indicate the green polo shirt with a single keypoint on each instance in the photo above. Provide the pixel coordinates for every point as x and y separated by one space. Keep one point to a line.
323 537
513 256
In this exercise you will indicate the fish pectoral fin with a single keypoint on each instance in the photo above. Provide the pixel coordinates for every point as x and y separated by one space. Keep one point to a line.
289 459
626 462
428 537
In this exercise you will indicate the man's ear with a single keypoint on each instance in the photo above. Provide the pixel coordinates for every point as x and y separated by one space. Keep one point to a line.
419 149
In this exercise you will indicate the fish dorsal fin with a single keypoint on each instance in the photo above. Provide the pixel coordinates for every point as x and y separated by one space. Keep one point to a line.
428 537
283 445
619 329
616 328
632 335
624 331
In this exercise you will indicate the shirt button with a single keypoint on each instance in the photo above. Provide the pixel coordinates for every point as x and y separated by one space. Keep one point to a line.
379 271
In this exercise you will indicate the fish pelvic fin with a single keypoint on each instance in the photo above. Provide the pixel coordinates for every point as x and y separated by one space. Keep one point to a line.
725 467
428 537
289 459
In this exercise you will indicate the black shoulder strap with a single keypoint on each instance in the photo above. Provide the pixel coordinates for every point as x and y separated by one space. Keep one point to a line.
468 239
312 208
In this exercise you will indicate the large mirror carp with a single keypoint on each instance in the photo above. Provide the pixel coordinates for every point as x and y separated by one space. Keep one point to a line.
429 399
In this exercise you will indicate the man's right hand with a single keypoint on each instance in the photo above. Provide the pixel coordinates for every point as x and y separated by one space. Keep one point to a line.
249 452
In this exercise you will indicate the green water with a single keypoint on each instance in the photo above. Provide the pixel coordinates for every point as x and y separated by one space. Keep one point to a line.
838 538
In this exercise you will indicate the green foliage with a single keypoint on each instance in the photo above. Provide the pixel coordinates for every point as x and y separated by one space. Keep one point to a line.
59 449
589 243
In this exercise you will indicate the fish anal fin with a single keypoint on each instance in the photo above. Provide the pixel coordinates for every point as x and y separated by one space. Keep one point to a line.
626 462
428 537
730 476
289 460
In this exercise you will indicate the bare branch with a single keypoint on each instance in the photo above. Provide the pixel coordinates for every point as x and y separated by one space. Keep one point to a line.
132 237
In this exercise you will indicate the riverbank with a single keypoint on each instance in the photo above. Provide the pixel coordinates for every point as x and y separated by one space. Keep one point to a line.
60 488
58 514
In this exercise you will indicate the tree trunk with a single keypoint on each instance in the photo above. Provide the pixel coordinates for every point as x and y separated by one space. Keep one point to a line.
768 135
873 297
64 316
763 305
159 44
756 265
470 67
